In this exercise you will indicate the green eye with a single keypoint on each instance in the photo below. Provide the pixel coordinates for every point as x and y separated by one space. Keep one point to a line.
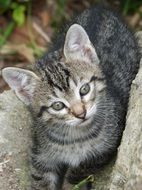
84 89
58 106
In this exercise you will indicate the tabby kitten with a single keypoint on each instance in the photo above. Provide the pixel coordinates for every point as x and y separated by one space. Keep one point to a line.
78 96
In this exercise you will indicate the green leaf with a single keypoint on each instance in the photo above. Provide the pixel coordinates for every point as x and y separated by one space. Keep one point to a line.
4 4
6 33
14 5
19 14
83 182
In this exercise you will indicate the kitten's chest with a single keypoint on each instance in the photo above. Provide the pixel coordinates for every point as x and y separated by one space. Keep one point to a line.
71 154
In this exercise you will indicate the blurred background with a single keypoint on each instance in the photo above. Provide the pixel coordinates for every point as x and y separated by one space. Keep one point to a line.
27 26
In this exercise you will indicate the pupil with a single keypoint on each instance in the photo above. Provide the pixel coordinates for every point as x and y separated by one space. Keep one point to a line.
85 88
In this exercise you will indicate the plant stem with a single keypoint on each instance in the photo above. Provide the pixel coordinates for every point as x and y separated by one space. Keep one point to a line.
126 7
7 33
83 182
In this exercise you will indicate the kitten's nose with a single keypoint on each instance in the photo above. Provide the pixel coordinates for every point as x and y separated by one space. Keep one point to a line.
81 116
78 110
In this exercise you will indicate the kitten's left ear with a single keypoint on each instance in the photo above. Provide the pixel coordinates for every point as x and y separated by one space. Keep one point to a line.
78 46
22 81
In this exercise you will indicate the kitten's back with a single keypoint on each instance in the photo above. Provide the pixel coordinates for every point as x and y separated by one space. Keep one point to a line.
115 45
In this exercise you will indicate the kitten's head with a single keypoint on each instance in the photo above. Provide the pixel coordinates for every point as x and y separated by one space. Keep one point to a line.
69 88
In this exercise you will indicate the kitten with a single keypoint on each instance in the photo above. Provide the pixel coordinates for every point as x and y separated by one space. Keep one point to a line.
78 96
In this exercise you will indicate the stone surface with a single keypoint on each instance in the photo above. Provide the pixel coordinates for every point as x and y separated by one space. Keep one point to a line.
127 173
124 173
15 122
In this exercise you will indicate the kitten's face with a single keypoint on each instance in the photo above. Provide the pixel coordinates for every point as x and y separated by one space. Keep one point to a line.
74 104
70 88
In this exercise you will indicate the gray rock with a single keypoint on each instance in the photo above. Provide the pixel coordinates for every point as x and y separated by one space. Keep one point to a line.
15 122
127 173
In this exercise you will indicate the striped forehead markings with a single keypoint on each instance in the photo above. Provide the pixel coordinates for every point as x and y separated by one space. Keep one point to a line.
57 76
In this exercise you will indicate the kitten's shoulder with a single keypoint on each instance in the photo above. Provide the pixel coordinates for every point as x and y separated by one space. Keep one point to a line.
90 19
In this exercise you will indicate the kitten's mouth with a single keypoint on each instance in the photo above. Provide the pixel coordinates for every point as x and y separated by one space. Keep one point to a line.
85 121
79 122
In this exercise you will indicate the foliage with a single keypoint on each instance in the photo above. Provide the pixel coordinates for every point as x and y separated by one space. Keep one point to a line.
17 10
89 179
60 13
18 13
131 6
4 5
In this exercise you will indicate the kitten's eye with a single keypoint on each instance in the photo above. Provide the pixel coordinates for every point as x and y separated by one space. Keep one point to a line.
84 89
58 106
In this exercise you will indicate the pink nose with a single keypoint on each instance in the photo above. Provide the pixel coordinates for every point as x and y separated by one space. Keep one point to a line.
82 115
78 110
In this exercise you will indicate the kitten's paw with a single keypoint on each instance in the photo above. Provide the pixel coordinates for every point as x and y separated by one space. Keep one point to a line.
75 175
79 175
37 180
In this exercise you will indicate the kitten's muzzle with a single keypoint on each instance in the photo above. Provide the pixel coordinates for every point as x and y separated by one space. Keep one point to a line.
78 110
81 116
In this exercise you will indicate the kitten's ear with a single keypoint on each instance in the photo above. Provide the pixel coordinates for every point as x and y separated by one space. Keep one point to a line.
22 81
78 46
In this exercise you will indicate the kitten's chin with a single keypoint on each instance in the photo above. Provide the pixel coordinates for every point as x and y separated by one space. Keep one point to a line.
86 121
79 122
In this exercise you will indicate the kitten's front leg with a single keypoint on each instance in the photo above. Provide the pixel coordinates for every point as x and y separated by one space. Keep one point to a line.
50 180
53 181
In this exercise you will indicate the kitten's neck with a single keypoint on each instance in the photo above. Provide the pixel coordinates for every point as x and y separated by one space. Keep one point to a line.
62 133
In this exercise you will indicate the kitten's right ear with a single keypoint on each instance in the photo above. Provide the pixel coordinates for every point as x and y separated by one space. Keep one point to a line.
22 81
78 45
